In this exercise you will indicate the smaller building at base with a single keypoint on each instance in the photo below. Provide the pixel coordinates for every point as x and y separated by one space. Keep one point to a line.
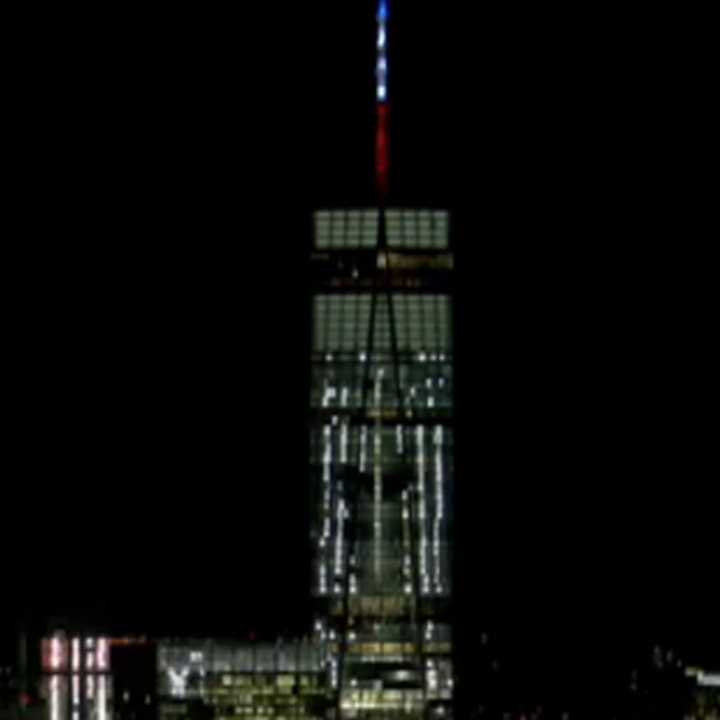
76 681
705 701
226 680
93 678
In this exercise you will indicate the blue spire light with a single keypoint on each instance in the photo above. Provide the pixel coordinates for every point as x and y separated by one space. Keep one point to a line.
381 69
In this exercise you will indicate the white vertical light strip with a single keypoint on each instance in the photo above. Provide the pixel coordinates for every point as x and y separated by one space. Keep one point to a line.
422 507
378 487
55 653
439 506
55 697
432 677
103 655
76 654
329 394
344 442
327 461
340 502
407 556
102 700
363 447
76 650
340 530
344 399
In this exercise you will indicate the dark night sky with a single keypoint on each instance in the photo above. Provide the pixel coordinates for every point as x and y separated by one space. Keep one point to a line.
157 319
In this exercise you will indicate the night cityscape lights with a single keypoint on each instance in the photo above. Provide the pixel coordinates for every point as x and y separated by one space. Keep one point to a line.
160 239
381 473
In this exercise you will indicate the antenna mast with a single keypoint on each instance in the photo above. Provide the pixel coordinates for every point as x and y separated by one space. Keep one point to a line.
382 137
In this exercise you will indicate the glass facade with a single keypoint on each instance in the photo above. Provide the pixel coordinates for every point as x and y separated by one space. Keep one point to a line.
241 680
382 458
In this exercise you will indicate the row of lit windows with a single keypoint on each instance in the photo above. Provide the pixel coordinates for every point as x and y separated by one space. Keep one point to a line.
250 684
356 448
406 322
389 552
406 228
260 696
250 712
297 710
284 680
339 359
249 658
379 701
343 369
394 632
418 401
346 228
422 323
394 438
379 606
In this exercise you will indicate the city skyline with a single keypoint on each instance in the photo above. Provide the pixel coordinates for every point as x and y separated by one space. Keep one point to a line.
130 367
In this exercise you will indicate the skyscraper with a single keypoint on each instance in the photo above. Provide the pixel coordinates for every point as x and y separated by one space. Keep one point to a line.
381 467
382 446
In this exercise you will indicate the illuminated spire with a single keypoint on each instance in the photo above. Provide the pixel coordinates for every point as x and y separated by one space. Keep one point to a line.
382 43
382 144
